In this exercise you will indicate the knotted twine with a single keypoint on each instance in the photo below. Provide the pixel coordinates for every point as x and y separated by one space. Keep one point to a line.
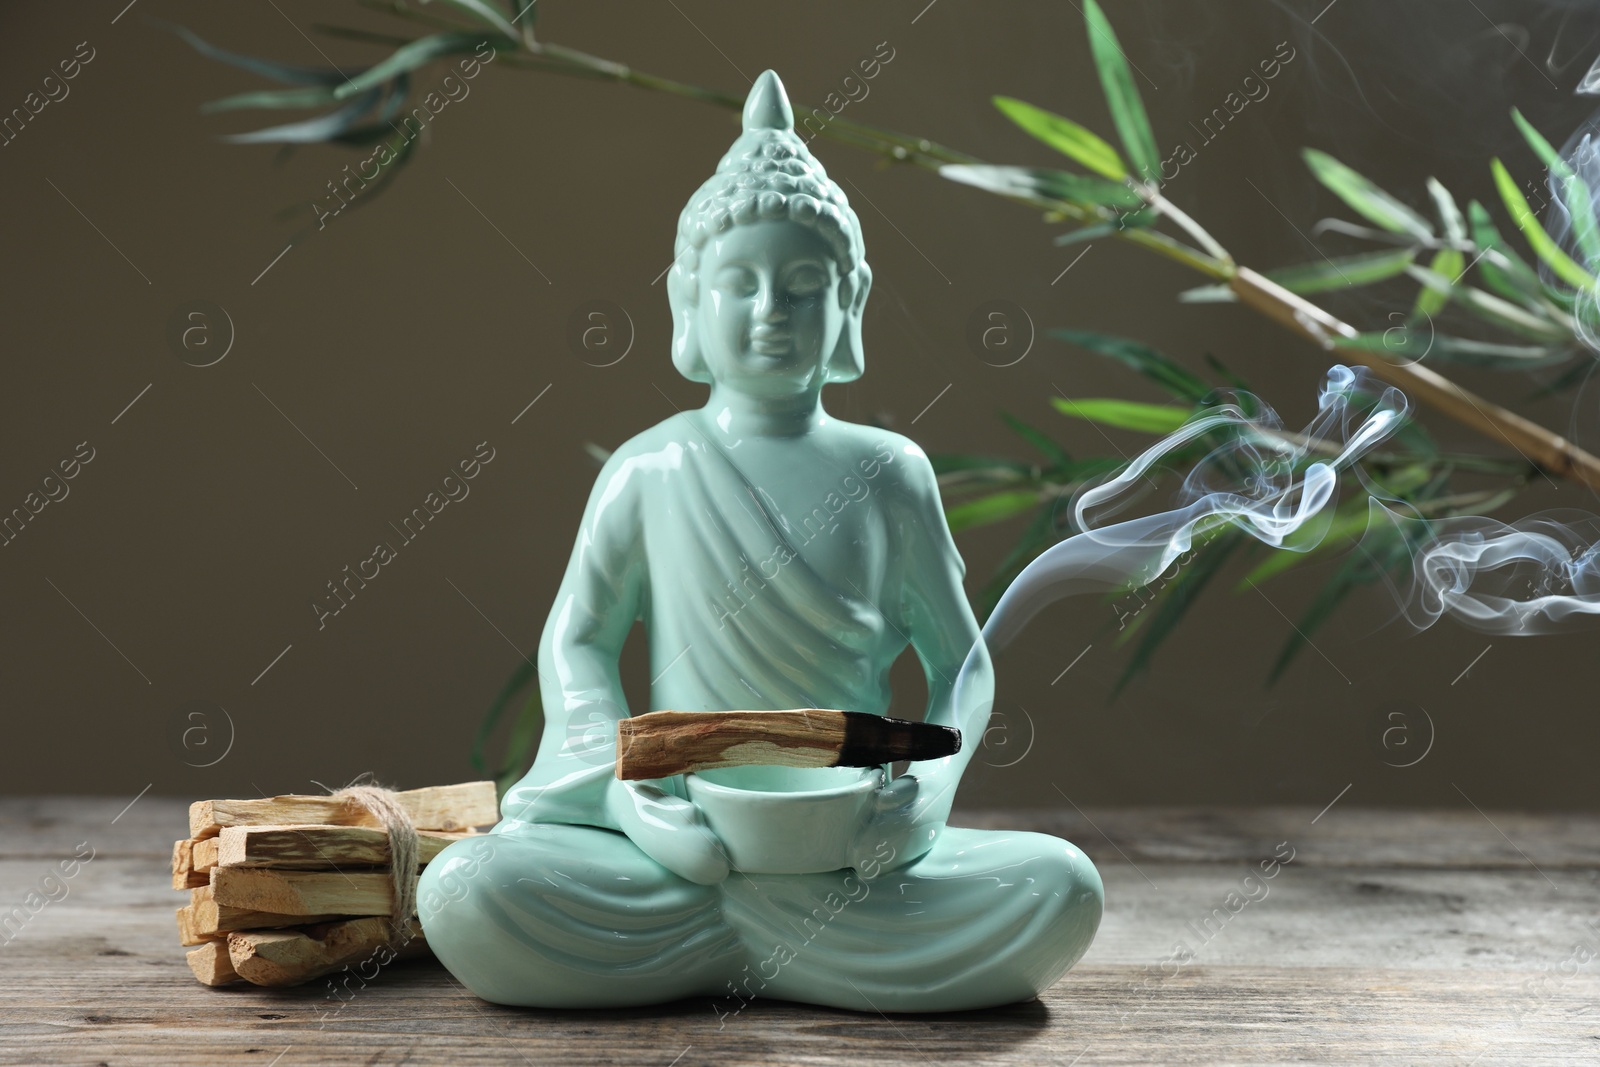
384 806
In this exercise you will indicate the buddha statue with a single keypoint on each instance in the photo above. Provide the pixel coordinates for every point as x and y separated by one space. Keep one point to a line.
778 558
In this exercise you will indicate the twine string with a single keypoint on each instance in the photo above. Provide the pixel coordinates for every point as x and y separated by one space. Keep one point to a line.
396 822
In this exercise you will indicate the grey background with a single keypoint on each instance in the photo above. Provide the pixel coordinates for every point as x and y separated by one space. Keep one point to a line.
188 552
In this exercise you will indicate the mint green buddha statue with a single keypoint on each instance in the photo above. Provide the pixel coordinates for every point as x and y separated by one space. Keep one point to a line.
779 558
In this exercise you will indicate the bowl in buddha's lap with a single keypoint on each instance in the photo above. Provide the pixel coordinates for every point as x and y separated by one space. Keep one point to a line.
785 820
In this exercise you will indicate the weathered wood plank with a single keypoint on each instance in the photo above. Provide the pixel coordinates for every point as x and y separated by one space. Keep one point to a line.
1338 958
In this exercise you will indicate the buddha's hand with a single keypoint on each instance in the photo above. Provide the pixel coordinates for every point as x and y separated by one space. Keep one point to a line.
669 830
895 831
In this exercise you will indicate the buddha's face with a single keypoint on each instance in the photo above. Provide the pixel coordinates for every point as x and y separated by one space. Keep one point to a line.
770 307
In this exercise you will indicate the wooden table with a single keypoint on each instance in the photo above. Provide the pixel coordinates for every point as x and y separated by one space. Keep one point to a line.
1449 937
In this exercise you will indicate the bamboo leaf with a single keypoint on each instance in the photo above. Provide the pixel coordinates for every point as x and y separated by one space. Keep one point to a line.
1575 191
480 10
1365 198
519 680
1449 212
1540 241
1044 184
288 73
1065 136
1381 552
1486 306
1413 343
990 509
311 131
1125 414
1164 371
525 733
1503 270
1447 263
1178 597
1208 294
1349 522
1040 440
1127 220
1342 272
1122 96
1039 535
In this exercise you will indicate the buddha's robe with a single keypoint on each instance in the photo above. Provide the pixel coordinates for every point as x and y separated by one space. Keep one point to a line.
753 599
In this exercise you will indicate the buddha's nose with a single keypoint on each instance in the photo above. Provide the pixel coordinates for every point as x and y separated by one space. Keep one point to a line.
770 307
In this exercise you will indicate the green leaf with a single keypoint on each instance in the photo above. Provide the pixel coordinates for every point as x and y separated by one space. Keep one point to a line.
1125 414
1349 522
947 462
1208 294
1122 96
1410 344
1576 198
1503 270
1065 136
1164 371
1040 440
1540 241
1447 263
1342 272
1365 198
519 680
1378 554
990 509
1038 536
1229 376
1127 220
524 736
327 127
1486 306
1044 184
1455 227
480 10
1177 597
288 73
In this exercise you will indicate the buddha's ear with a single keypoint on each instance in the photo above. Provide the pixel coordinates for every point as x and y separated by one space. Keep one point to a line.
683 298
849 359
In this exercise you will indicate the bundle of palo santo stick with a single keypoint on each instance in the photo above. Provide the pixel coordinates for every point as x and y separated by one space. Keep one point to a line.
286 889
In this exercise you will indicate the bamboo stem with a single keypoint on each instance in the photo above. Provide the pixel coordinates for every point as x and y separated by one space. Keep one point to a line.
1539 446
1543 448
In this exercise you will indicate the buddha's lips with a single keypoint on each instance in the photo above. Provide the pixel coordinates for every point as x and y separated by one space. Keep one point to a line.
771 342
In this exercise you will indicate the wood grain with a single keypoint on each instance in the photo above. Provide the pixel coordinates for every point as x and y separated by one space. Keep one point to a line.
301 892
1392 937
290 957
446 807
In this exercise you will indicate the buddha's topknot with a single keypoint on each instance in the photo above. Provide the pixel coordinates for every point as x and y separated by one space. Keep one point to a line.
768 174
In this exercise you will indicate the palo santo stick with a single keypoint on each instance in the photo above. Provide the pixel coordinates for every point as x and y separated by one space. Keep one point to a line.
189 927
212 965
289 957
310 848
443 807
319 893
184 876
205 920
664 743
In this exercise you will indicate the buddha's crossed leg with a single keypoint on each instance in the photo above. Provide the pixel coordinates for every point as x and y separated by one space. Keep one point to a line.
566 916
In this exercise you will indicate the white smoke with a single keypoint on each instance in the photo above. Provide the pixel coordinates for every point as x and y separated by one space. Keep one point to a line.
1263 491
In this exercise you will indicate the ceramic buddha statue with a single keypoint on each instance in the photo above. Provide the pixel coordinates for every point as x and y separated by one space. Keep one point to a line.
778 558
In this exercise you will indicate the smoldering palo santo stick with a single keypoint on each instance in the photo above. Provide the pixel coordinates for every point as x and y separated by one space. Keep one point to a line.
664 743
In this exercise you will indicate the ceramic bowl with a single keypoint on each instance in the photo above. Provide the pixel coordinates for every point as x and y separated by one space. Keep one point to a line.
785 820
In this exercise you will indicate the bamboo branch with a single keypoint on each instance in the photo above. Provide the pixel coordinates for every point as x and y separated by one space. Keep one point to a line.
1541 447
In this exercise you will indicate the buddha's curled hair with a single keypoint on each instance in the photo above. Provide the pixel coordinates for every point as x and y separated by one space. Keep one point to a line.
768 174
